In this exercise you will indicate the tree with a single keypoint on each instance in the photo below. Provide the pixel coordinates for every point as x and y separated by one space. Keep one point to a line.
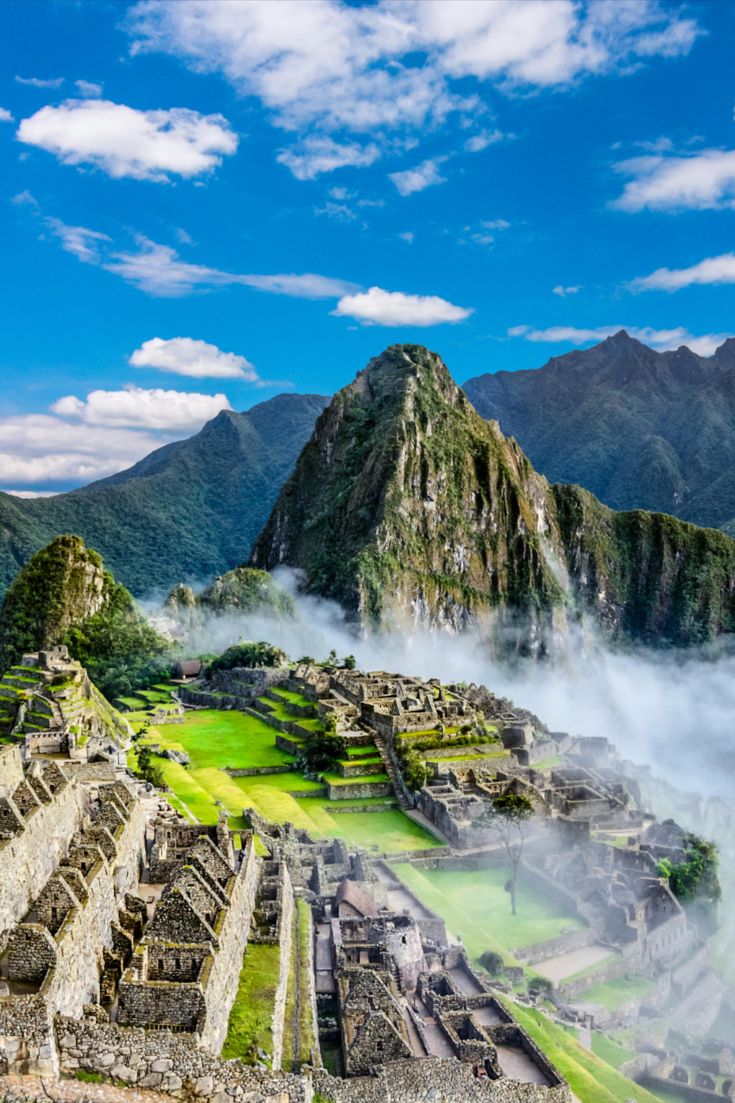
510 815
349 662
325 748
146 768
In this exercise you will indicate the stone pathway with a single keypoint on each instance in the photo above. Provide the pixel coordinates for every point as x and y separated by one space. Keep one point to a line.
73 1091
566 965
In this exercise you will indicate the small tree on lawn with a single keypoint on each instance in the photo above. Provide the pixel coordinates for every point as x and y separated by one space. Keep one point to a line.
511 814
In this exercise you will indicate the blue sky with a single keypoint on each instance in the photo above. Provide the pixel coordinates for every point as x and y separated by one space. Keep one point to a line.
205 202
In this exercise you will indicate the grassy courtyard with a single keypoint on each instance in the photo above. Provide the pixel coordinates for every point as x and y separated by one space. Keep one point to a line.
475 906
249 1029
216 739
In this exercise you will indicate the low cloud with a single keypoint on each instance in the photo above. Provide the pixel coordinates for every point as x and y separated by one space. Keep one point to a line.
394 308
660 339
198 359
417 179
711 270
136 407
670 183
38 450
125 142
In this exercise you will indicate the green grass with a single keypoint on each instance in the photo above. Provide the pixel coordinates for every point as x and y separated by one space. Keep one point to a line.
214 739
306 1018
612 994
591 1079
609 1050
367 750
475 906
249 1028
223 738
292 697
365 779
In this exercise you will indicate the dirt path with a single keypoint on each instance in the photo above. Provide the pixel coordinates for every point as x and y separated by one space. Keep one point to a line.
566 965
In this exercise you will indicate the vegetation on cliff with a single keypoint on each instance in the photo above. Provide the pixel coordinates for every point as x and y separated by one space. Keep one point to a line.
250 655
243 590
65 595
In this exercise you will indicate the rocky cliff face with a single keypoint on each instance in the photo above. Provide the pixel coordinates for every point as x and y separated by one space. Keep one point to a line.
240 592
406 505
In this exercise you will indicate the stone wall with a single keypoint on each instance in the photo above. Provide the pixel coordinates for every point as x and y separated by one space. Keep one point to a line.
221 988
285 932
169 1062
11 769
359 791
433 1080
28 859
26 1036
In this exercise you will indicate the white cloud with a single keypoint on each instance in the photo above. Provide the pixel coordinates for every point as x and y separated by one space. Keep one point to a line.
408 236
485 138
668 183
563 291
328 67
321 154
41 449
136 407
80 241
5 115
198 359
660 339
394 308
88 88
159 270
122 141
38 82
711 270
340 212
486 231
420 177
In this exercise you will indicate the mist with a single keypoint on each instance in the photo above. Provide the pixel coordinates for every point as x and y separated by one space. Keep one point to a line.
672 710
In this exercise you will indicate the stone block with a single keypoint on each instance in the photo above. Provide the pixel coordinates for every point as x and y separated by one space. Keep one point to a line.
162 1064
106 1059
204 1085
150 1080
124 1072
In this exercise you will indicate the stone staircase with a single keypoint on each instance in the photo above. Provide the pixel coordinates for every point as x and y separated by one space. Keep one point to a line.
397 781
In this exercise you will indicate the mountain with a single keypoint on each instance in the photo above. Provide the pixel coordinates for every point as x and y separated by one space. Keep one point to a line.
640 429
64 595
189 510
406 504
240 592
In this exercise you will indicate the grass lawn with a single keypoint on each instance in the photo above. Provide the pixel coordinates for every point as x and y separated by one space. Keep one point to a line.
610 1050
476 907
306 1018
364 779
214 739
591 1079
614 993
249 1028
292 697
223 738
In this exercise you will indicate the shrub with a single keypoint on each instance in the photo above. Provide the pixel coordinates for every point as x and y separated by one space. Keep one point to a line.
493 963
413 769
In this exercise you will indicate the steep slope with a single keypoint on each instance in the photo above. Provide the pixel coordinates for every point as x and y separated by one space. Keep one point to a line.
65 595
186 511
639 428
406 503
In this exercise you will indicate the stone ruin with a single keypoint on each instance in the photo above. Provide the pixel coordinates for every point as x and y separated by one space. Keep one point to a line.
48 703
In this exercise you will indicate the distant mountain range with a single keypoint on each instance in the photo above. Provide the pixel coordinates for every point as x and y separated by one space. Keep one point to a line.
407 507
640 429
187 512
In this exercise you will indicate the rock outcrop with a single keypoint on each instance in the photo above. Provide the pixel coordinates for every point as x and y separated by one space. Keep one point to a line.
406 505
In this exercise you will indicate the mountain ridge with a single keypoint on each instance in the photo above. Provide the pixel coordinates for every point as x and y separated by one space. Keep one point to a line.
142 519
636 427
